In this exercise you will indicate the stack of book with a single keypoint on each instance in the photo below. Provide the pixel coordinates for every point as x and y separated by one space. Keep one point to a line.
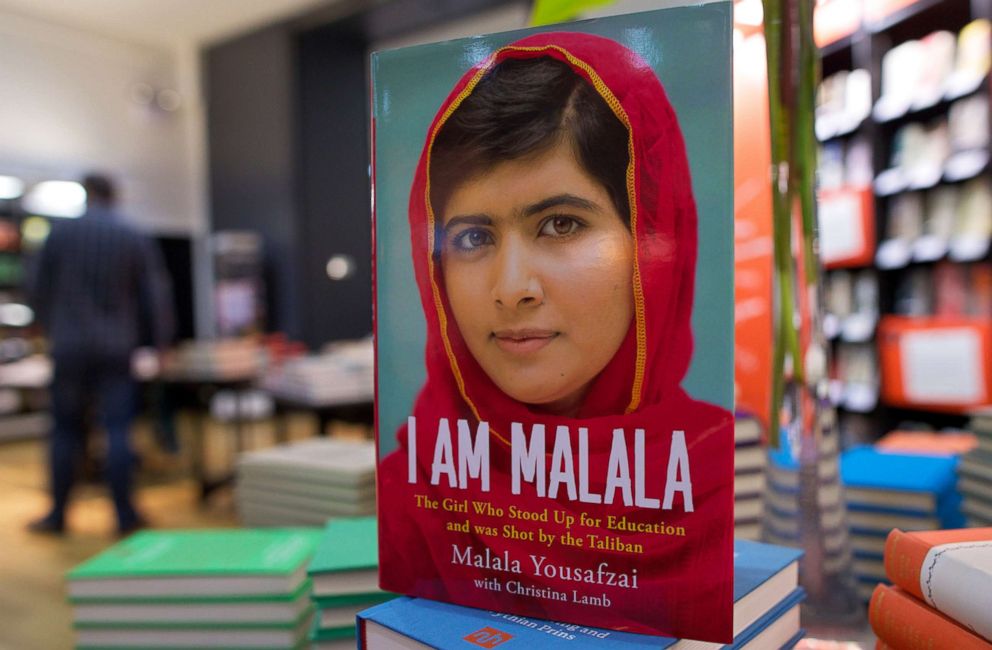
306 483
975 472
199 588
885 490
225 359
766 615
942 594
345 578
782 524
749 477
341 374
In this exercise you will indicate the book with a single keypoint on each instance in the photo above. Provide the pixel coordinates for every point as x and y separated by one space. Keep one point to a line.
418 623
928 443
193 610
346 561
950 570
887 490
901 621
747 428
555 421
348 463
293 636
158 563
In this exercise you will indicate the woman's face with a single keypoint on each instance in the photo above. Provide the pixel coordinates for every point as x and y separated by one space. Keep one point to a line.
538 268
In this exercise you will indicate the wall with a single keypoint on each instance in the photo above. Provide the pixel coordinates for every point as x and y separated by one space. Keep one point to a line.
68 107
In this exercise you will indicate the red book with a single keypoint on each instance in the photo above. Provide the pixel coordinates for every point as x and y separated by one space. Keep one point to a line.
901 621
554 420
949 570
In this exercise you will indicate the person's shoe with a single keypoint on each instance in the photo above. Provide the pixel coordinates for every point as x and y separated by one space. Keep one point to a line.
139 523
47 526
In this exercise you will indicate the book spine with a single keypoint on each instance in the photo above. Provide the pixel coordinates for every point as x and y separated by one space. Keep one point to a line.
904 556
900 621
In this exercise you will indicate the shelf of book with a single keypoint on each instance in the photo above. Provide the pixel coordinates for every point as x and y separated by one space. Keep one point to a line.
903 110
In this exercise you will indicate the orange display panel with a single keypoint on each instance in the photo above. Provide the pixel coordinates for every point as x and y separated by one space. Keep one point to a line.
938 364
752 230
877 10
835 19
847 227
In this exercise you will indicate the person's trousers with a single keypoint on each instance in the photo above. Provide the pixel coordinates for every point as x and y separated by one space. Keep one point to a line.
104 386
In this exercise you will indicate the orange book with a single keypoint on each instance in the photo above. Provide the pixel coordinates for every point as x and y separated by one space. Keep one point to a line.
901 621
905 553
928 443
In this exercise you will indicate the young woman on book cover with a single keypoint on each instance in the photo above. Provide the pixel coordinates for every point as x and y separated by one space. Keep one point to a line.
554 241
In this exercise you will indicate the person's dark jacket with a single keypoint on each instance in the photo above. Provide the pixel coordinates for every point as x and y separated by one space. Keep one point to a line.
100 289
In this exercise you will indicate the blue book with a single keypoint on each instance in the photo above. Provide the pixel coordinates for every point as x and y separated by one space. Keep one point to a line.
766 614
421 623
895 490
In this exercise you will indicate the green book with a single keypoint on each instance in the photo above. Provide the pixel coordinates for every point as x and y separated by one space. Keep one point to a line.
200 563
337 634
334 613
346 562
272 638
194 610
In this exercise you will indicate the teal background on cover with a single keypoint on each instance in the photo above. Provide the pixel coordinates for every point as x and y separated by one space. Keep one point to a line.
690 50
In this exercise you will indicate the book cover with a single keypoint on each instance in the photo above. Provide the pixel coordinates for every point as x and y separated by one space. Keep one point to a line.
555 321
901 621
345 564
950 570
198 562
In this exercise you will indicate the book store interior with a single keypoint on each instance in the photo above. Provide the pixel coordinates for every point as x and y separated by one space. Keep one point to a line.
247 247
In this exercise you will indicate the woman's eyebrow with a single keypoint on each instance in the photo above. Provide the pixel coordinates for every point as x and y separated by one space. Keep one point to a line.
567 200
468 219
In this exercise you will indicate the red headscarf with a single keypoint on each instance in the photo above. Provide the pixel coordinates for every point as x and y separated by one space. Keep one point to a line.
685 583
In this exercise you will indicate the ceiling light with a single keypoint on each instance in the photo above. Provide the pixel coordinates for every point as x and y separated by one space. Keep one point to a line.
56 199
10 187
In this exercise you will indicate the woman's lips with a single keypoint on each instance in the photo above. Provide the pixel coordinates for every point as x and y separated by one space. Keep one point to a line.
524 341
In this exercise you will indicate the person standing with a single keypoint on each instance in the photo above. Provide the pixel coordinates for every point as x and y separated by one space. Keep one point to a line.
99 292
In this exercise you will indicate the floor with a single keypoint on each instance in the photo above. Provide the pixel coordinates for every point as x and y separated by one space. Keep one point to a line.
33 611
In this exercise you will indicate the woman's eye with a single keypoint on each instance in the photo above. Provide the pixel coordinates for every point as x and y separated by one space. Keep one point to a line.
560 226
471 239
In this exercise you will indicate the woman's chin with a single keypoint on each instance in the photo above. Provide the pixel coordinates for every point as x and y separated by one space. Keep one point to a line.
542 401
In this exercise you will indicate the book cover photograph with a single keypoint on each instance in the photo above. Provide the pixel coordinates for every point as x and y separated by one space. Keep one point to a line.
555 322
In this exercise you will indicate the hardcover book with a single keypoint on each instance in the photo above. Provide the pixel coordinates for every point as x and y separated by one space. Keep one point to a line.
344 565
901 621
419 624
888 490
555 321
201 563
950 570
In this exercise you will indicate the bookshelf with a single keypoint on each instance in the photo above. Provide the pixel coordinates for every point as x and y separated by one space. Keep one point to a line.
905 203
24 375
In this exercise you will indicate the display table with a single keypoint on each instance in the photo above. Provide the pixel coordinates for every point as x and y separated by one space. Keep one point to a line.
356 408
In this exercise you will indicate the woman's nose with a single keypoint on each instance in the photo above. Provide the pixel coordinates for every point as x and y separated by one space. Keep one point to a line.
516 282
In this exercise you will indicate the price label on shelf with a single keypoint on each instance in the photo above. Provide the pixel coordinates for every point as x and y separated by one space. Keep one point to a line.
847 231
